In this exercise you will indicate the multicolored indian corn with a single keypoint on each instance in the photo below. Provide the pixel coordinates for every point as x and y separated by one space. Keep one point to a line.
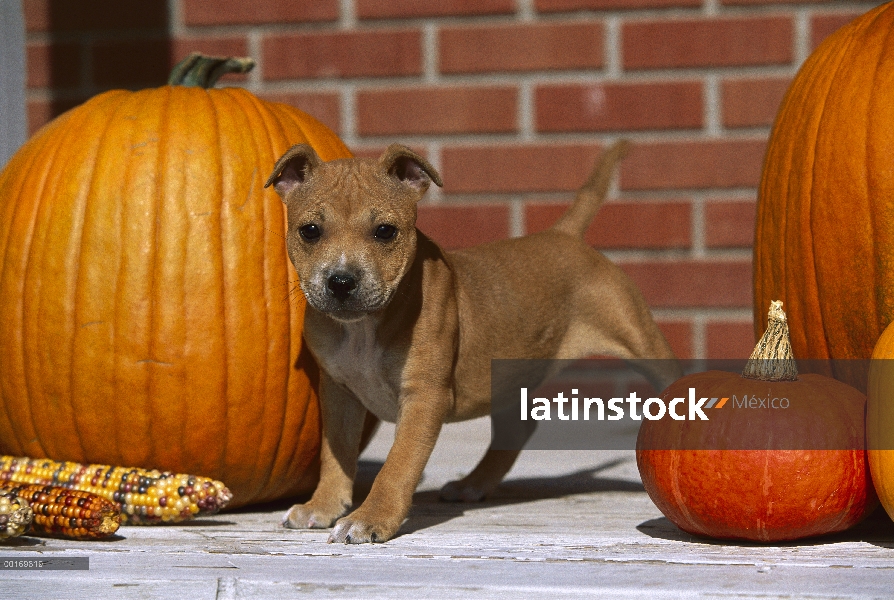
66 513
15 516
143 496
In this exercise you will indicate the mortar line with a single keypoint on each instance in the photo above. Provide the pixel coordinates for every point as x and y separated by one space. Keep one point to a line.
176 28
698 227
713 111
612 49
526 108
255 76
710 313
802 36
582 76
347 14
435 194
516 217
429 53
348 94
699 336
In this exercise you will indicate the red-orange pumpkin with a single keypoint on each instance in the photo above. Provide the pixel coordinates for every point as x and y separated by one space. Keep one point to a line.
880 419
729 480
825 221
148 314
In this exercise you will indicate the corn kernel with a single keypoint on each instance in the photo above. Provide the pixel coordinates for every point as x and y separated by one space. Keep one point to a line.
137 488
58 511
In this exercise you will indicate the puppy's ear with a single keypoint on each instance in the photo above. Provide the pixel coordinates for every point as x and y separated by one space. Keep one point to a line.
293 169
408 167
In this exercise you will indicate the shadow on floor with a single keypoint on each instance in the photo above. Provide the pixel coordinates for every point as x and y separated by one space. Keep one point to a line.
877 529
428 509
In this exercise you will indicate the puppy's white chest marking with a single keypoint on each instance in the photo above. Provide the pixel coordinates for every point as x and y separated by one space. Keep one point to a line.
358 364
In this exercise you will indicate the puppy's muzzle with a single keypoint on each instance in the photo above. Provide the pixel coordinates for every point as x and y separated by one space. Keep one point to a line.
341 285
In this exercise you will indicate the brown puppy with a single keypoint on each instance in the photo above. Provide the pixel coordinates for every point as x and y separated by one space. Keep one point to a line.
407 331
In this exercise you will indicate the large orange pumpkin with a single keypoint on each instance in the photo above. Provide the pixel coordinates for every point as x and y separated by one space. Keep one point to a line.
825 221
147 308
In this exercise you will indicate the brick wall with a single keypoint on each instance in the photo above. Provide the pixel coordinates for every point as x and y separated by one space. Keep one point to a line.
512 101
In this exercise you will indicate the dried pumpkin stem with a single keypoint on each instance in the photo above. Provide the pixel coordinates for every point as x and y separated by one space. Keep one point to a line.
198 70
772 358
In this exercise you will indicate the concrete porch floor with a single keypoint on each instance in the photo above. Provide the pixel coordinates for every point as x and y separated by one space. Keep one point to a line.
563 525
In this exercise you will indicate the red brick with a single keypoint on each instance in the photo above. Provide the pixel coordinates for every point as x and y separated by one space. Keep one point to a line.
379 53
371 152
377 151
96 15
730 340
752 102
693 164
57 66
619 106
822 26
229 46
730 224
679 337
707 42
438 110
568 5
511 168
535 47
404 9
134 63
37 15
237 12
652 225
722 284
41 112
323 106
212 46
462 226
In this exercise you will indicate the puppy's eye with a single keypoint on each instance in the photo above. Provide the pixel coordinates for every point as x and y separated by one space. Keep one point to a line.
310 232
385 232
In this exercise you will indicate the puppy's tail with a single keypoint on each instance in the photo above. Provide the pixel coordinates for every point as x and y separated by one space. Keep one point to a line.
592 193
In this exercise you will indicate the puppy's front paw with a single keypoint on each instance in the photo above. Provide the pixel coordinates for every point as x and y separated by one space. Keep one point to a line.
464 491
308 516
355 529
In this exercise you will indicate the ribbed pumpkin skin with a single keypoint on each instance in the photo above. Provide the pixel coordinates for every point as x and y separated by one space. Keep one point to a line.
145 309
824 240
756 494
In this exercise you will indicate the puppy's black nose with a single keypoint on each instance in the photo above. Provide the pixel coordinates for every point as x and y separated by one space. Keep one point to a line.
341 285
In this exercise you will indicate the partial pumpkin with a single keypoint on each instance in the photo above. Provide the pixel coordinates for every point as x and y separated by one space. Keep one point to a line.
148 313
880 419
729 479
824 239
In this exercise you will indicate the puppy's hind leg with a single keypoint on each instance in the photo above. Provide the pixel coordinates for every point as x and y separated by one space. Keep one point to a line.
612 319
509 434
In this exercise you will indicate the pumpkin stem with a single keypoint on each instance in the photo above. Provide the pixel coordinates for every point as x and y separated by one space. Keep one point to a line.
772 358
198 70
